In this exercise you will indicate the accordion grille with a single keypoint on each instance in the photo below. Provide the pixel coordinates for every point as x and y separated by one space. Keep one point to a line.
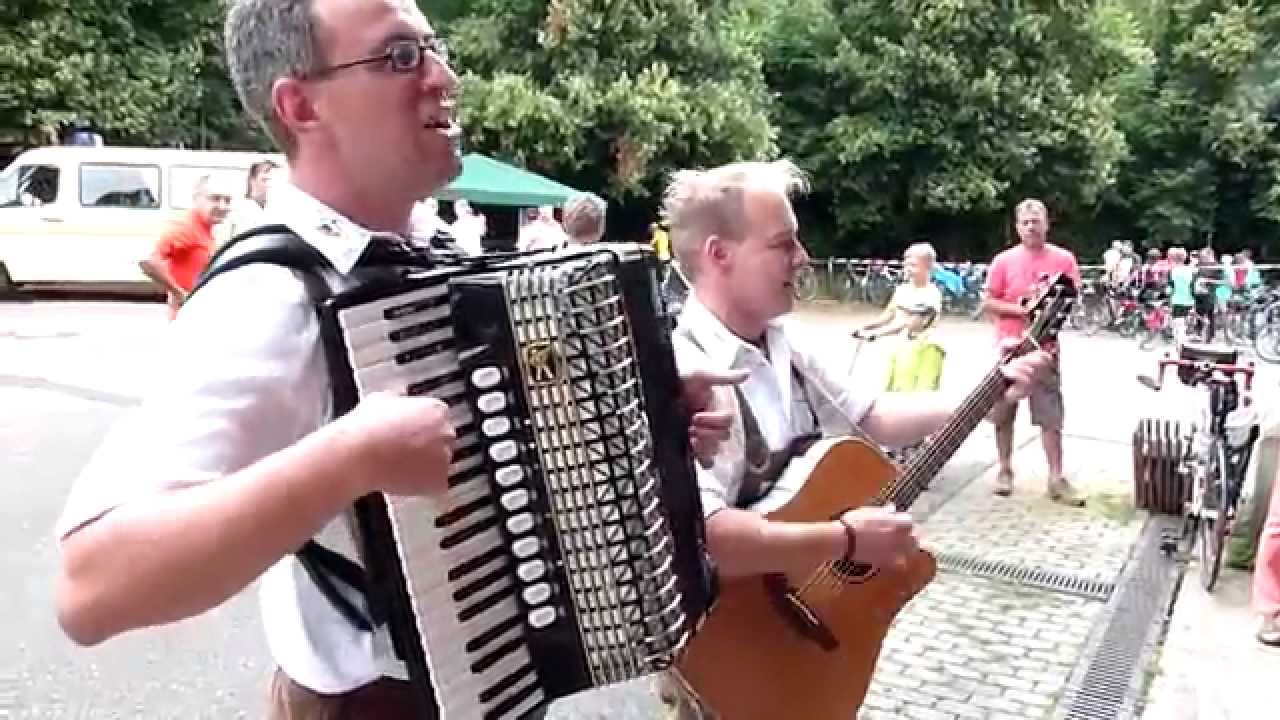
587 411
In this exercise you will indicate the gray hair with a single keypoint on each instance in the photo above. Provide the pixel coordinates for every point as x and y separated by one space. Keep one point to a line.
1030 204
702 203
921 249
267 40
584 216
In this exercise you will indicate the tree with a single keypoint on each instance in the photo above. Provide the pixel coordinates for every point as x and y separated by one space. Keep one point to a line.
613 94
931 118
1206 155
143 71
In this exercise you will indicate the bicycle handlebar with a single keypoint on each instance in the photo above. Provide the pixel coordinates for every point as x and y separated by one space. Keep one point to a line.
1205 371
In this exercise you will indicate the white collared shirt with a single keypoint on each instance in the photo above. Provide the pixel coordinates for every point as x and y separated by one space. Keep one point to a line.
242 375
781 407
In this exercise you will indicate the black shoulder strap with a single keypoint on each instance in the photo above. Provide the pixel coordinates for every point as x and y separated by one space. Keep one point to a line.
278 245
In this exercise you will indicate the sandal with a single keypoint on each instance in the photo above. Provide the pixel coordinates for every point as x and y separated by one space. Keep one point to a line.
1004 483
1062 492
1269 632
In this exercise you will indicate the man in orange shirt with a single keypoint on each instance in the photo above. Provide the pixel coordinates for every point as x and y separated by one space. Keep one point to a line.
184 249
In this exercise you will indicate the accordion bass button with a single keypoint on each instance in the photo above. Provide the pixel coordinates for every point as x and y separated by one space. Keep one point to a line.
486 377
503 452
542 617
509 476
531 570
525 547
515 499
537 594
496 426
491 402
520 524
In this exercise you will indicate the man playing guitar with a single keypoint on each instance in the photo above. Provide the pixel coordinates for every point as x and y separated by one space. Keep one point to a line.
734 233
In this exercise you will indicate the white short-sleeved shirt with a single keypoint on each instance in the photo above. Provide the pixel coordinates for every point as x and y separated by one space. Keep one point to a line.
907 296
777 402
242 375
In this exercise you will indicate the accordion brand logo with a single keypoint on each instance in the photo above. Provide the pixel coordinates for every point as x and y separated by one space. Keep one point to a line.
544 363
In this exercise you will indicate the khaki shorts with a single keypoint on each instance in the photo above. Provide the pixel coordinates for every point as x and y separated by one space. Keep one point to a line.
1045 400
385 698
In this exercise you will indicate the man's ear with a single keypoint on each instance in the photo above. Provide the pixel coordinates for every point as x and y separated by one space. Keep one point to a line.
716 250
294 108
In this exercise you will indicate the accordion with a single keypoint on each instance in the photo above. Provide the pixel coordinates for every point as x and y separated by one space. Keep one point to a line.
568 552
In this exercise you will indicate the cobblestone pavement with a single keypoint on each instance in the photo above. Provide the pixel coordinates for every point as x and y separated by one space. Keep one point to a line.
979 647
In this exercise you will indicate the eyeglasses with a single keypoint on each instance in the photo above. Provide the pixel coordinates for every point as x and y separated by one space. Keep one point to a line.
401 56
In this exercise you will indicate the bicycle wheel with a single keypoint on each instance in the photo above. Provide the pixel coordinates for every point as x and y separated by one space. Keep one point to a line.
1266 343
1217 517
805 284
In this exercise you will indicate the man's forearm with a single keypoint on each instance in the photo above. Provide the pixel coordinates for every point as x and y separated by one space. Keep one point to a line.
901 419
744 543
183 551
1002 307
159 276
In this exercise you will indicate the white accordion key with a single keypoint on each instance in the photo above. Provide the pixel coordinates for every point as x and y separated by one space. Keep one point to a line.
486 377
531 570
542 617
525 547
496 426
537 594
509 476
491 403
503 452
515 499
520 524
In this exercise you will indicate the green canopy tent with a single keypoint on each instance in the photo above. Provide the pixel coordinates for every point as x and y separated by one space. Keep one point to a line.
485 181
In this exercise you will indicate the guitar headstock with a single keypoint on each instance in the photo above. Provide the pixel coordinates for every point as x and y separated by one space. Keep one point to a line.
1047 310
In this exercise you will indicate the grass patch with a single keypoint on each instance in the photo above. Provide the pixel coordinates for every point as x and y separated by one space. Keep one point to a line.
1115 506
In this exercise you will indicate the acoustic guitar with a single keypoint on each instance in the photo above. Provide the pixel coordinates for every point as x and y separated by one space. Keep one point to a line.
781 646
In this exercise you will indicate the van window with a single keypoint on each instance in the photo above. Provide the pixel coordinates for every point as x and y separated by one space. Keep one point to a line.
133 186
183 179
29 185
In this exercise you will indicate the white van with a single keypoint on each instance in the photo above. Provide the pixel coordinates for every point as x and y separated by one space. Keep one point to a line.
72 215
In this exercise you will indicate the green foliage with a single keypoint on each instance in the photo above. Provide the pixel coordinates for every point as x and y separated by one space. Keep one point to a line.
613 95
144 71
1154 120
933 117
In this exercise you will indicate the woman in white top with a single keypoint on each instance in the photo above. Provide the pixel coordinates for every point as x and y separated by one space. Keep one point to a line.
915 304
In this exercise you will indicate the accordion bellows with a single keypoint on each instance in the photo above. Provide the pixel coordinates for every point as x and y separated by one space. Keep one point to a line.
569 551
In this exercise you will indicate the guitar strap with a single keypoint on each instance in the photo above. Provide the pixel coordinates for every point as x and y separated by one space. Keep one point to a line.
765 467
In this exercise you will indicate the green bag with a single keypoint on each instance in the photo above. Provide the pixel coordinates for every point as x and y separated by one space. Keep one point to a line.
916 365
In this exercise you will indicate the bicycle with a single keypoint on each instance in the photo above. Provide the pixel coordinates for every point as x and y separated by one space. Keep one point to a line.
805 284
1217 458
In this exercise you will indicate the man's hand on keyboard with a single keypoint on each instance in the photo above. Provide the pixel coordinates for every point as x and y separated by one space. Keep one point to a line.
404 444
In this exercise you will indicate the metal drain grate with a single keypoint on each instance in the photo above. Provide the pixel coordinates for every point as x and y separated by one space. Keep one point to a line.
1037 577
1109 681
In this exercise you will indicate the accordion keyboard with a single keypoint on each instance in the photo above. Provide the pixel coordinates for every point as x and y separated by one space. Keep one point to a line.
466 604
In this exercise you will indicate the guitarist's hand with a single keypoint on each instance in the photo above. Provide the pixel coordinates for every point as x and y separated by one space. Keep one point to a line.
884 535
1024 372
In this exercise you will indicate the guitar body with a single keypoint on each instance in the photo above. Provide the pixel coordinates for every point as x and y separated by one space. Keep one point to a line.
750 659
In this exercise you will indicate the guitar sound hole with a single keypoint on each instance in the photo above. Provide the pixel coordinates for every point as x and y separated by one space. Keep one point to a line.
852 572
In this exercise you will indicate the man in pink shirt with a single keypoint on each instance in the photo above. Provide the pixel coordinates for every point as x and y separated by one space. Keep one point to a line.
1014 276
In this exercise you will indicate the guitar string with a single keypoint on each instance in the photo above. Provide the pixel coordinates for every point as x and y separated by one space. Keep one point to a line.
825 576
935 453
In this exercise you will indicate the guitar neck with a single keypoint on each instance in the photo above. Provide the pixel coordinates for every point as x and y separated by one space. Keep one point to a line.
926 464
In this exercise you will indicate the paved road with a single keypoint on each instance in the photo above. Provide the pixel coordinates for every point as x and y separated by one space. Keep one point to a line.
68 369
